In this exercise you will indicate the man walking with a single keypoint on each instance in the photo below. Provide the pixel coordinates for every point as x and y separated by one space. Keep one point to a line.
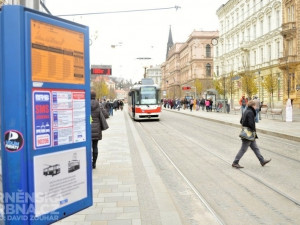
248 120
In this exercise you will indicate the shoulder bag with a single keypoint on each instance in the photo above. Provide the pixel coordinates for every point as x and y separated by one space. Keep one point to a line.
247 134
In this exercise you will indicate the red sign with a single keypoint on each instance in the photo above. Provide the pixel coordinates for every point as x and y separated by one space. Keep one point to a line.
186 88
100 71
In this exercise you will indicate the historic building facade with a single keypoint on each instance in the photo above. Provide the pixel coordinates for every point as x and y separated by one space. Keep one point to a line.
154 72
250 43
290 61
187 62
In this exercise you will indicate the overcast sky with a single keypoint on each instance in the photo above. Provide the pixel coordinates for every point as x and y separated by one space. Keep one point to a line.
137 34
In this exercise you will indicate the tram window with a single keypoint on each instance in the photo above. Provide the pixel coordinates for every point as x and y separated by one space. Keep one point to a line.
148 95
137 98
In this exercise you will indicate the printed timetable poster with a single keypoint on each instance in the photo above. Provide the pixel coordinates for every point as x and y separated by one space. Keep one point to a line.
57 54
58 117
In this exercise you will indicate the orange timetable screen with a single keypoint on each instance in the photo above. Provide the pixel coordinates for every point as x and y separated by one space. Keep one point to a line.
57 54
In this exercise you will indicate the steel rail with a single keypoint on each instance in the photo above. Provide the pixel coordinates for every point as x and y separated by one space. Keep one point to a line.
189 183
243 171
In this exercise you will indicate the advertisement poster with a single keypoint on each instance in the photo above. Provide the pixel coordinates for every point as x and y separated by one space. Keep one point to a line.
60 179
59 117
42 122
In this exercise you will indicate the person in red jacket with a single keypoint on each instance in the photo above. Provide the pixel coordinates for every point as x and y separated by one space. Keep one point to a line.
243 103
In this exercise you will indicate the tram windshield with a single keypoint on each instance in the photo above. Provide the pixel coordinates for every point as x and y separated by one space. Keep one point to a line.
148 95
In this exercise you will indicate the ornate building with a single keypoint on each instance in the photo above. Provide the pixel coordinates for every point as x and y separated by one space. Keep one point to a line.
290 61
187 62
154 72
250 44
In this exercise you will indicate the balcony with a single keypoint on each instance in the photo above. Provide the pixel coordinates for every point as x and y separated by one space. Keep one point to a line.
290 60
245 45
288 29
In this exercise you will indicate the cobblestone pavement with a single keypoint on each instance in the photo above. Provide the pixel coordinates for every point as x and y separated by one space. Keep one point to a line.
126 187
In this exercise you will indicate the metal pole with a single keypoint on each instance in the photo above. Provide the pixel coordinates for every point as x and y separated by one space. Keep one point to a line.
224 106
288 74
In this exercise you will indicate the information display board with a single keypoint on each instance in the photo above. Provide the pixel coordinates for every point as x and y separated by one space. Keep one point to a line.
45 162
57 54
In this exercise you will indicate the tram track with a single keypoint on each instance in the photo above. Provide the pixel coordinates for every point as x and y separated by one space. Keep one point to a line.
188 182
207 149
236 140
261 136
243 171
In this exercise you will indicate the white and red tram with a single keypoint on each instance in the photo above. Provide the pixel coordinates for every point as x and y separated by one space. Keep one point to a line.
144 101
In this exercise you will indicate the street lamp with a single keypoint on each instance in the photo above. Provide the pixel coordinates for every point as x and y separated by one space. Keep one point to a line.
145 73
144 58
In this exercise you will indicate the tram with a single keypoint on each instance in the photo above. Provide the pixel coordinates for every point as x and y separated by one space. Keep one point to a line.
52 170
144 101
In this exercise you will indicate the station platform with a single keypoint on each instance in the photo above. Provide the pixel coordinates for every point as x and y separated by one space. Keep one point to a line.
127 190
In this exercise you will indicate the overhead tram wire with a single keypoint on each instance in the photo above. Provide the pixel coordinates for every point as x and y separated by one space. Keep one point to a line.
123 11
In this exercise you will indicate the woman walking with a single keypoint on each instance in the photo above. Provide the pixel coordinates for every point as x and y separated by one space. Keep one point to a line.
95 126
248 120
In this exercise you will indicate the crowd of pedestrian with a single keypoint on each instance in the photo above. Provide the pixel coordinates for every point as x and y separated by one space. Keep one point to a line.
110 105
101 110
189 103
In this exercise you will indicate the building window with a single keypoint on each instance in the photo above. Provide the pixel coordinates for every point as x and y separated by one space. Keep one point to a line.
290 47
217 70
237 18
277 18
261 54
254 31
217 51
242 14
254 5
270 52
254 58
208 51
208 70
261 27
269 23
248 10
248 34
278 49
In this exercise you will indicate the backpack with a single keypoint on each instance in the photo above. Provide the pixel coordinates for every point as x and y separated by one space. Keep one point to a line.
243 102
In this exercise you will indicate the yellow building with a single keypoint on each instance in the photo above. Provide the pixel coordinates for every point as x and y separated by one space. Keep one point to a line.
290 61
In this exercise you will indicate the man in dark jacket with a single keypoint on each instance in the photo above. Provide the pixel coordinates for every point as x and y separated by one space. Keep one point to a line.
248 120
95 126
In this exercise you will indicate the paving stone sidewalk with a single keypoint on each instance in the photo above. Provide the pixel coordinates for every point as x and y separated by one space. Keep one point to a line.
114 187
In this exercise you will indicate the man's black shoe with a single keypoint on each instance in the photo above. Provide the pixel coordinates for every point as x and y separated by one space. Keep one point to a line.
236 165
265 162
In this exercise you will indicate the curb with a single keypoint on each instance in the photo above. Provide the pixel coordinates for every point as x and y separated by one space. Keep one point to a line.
275 134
